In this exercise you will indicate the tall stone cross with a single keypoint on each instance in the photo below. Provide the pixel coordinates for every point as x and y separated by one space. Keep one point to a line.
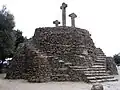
63 7
56 22
73 16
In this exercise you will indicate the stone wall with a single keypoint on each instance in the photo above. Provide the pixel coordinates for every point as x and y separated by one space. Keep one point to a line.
111 66
65 43
17 65
29 64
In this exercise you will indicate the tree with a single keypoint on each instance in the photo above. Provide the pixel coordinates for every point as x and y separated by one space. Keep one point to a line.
6 27
117 59
9 38
19 38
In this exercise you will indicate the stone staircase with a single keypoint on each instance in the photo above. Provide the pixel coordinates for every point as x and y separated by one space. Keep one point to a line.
61 73
95 74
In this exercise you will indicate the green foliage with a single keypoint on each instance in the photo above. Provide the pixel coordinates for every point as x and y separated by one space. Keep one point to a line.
117 59
9 38
6 28
19 38
6 20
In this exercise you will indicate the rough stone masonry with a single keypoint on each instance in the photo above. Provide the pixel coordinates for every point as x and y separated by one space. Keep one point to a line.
60 53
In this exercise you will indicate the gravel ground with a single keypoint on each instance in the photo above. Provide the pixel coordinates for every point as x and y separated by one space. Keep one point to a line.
24 85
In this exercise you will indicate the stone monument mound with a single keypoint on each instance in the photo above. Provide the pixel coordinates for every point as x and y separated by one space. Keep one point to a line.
60 53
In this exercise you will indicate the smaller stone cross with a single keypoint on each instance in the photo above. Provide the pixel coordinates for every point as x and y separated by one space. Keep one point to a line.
56 22
73 16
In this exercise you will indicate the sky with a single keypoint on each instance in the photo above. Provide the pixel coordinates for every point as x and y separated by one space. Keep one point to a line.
100 17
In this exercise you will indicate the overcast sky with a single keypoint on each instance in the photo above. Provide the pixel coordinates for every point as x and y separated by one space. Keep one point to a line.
100 17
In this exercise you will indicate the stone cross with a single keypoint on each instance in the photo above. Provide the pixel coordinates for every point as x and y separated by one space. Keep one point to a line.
56 22
73 16
63 7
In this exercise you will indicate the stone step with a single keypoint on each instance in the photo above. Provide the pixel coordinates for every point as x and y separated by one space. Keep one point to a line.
103 80
102 61
62 69
99 77
97 66
94 69
61 61
103 56
90 69
102 64
98 58
79 69
96 74
68 64
100 54
60 75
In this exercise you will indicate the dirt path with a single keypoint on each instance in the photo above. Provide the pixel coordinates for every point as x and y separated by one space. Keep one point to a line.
24 85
